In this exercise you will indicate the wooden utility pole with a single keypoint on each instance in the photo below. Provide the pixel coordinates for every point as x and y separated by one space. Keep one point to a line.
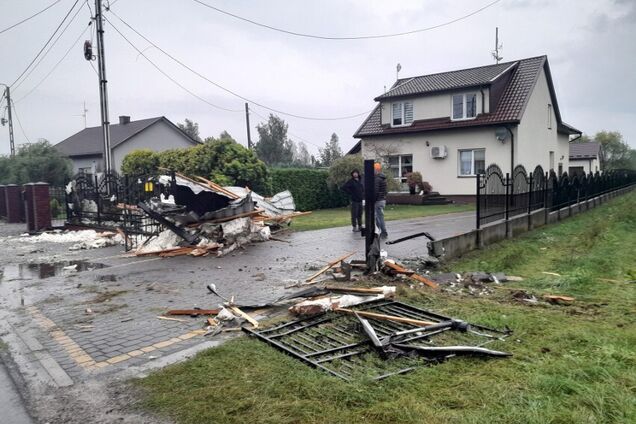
7 92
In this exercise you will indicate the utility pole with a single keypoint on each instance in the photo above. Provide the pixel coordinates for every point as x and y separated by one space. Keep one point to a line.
103 89
247 122
495 53
84 114
7 93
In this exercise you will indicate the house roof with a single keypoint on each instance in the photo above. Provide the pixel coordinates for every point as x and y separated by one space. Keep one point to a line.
89 141
589 150
443 81
523 75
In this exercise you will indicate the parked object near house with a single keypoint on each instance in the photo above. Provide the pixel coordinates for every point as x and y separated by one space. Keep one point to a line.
85 148
584 158
447 126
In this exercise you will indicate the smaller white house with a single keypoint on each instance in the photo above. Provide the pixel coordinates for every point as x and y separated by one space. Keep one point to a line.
584 158
451 125
85 149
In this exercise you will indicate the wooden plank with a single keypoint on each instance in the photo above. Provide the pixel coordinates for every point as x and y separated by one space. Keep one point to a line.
193 312
382 317
240 215
328 267
157 252
557 298
214 186
411 274
171 319
248 318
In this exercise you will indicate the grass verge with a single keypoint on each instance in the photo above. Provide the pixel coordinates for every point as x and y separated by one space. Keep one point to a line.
571 364
340 217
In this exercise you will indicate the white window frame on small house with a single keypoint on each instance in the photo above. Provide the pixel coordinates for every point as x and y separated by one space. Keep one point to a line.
463 171
464 103
398 166
404 114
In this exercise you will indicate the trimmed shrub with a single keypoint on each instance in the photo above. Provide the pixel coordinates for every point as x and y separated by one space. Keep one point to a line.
340 170
309 188
140 162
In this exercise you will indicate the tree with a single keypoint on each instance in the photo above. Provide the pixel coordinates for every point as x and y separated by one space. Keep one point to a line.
273 146
331 152
140 162
302 157
36 162
615 153
340 170
191 128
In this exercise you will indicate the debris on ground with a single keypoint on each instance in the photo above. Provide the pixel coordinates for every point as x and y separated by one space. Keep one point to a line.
331 303
83 239
390 267
566 300
203 218
345 342
327 267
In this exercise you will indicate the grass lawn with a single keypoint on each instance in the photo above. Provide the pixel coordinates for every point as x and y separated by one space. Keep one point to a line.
340 217
571 364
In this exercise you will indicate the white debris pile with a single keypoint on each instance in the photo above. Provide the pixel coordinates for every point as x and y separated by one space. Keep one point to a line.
330 303
165 240
83 239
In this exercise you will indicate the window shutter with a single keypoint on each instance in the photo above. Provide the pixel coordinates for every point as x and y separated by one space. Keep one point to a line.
408 112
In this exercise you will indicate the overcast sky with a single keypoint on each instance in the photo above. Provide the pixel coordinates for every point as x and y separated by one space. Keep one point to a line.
590 45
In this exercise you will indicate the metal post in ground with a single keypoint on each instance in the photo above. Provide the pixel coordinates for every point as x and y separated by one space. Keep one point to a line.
369 206
478 201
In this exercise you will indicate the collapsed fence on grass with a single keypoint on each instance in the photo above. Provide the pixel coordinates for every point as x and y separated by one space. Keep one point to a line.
508 205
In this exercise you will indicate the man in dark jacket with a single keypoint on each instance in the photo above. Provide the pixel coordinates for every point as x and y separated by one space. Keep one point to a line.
380 199
355 189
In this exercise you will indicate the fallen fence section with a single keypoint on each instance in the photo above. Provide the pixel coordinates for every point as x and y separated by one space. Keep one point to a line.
514 225
339 343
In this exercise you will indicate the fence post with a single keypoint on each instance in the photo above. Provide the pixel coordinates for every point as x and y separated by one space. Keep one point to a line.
508 202
545 197
530 203
478 201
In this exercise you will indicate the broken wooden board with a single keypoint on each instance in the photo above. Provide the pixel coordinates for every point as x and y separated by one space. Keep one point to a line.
193 312
382 317
242 314
552 298
411 274
328 267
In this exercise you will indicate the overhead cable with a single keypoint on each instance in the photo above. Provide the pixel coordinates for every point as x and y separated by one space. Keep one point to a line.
313 118
30 17
47 42
342 38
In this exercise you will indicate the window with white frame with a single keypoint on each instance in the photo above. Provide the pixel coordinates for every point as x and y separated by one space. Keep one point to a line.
399 166
464 106
471 162
401 114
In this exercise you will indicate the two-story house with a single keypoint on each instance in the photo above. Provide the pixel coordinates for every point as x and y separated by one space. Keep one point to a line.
450 126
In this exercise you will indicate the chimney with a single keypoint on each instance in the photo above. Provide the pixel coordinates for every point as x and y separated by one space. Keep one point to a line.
123 120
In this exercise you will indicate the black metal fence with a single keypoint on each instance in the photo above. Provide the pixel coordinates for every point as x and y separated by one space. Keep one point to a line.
501 196
110 200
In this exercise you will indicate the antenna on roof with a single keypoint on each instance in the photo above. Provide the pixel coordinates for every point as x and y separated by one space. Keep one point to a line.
495 53
83 114
398 68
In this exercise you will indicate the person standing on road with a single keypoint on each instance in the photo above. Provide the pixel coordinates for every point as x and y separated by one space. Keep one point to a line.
380 199
355 189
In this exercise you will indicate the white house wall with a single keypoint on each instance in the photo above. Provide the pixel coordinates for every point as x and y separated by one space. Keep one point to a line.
435 106
87 162
587 164
535 138
158 137
443 173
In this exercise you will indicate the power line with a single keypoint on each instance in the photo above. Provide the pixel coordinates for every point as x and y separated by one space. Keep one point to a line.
49 49
15 112
288 132
177 83
55 66
340 38
312 118
30 17
47 42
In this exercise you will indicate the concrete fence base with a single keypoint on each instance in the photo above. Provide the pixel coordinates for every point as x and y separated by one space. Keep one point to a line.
455 246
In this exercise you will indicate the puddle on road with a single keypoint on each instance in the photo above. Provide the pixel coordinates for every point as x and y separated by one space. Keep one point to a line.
39 271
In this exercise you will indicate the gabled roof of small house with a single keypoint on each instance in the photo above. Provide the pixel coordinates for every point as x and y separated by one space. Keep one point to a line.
89 141
521 76
589 150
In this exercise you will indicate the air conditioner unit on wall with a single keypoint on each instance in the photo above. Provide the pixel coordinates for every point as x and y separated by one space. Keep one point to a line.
439 152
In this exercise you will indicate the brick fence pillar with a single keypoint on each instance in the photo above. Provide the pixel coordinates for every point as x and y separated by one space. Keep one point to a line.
3 202
38 206
15 205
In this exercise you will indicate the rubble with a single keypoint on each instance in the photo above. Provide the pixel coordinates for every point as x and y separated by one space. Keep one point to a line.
83 239
331 303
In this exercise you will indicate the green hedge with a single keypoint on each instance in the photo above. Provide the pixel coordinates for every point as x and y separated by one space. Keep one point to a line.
309 188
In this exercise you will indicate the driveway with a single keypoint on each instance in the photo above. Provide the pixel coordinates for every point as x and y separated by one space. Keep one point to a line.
63 328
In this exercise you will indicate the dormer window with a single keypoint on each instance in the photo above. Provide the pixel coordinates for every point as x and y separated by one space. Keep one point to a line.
401 114
464 106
